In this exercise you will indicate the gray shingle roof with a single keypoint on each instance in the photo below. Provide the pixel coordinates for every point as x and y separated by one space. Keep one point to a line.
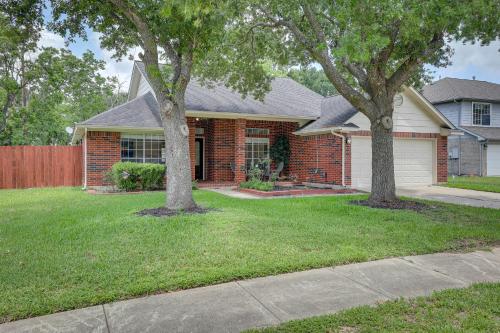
488 133
449 89
335 111
141 112
286 98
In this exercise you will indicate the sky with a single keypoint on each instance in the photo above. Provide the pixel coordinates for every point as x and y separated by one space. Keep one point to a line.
468 61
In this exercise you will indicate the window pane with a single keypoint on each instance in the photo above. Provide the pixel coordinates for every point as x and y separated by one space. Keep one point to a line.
481 114
142 148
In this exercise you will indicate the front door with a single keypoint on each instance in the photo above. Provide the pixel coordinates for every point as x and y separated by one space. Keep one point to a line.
199 158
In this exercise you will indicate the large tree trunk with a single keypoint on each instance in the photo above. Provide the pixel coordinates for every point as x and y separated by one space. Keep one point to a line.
179 186
383 183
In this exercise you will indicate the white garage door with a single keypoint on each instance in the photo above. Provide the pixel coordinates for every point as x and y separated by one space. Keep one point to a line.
413 162
493 160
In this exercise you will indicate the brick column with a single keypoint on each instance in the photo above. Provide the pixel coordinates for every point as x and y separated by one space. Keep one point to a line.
103 150
191 122
239 150
442 159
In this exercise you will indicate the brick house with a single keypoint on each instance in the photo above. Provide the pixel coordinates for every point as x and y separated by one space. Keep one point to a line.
329 140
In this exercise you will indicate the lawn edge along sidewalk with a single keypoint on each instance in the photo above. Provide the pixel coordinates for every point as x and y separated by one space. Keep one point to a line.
260 302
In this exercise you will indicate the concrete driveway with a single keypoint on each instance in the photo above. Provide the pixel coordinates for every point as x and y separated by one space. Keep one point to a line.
453 195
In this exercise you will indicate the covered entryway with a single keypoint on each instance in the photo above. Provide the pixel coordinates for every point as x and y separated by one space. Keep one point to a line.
414 162
493 160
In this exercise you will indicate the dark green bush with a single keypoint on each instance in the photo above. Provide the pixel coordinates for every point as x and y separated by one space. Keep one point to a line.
280 150
258 185
130 176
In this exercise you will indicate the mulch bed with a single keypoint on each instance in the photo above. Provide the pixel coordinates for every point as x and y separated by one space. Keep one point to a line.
397 204
165 212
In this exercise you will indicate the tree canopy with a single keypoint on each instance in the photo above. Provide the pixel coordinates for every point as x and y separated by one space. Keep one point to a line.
370 49
44 90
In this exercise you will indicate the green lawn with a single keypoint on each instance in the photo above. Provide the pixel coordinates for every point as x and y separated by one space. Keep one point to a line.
63 248
474 309
488 184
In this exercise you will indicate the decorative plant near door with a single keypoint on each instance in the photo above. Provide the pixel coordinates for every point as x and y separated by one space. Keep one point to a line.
280 150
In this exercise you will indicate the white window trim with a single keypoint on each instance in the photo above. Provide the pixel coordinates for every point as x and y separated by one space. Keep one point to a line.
258 140
258 129
472 114
138 136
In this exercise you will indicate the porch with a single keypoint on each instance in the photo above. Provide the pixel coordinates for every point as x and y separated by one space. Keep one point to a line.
222 150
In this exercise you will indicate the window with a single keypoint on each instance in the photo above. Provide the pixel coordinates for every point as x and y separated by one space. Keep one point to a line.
142 148
257 131
256 149
481 114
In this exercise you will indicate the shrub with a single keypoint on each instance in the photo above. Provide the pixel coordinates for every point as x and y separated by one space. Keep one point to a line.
280 150
255 174
130 176
257 185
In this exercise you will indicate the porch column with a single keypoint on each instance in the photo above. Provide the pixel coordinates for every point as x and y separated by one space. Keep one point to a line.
239 150
191 122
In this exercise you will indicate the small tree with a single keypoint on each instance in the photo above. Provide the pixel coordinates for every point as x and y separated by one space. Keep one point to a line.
187 34
280 150
369 49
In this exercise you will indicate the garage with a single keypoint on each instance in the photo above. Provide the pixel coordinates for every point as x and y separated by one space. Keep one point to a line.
413 162
493 160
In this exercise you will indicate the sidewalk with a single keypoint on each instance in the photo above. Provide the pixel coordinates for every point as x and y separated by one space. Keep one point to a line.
453 195
235 306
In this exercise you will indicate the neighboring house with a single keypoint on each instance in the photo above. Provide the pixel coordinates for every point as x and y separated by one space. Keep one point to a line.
474 107
329 140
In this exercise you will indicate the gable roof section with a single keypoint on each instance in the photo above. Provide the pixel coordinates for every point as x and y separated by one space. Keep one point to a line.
336 112
286 98
450 89
483 133
141 112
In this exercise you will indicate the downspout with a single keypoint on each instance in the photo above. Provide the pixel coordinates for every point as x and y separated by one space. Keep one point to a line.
459 155
481 147
342 137
85 160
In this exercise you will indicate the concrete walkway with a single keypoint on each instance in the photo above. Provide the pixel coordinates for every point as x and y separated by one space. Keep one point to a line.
453 195
235 306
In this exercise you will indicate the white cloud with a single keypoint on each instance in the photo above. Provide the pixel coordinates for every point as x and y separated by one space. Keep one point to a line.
50 39
470 60
121 69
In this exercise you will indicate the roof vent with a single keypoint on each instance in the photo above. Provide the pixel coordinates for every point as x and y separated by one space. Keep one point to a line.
473 77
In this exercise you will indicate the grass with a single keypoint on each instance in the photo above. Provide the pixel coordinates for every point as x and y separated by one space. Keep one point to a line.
488 184
63 248
474 309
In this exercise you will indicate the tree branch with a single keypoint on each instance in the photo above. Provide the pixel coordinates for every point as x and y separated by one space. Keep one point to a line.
323 58
149 43
410 65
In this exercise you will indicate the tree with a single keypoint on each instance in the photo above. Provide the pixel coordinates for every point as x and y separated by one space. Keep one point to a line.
370 49
187 34
20 26
314 79
60 89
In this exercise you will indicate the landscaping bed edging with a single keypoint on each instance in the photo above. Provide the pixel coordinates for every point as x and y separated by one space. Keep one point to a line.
309 191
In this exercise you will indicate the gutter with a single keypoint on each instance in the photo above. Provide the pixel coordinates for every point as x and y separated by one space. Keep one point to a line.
343 138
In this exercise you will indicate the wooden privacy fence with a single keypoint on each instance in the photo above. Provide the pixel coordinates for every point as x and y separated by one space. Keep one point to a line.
40 166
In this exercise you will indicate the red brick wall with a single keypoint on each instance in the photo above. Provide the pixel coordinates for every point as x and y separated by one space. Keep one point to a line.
316 158
313 158
239 150
319 158
442 159
103 150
